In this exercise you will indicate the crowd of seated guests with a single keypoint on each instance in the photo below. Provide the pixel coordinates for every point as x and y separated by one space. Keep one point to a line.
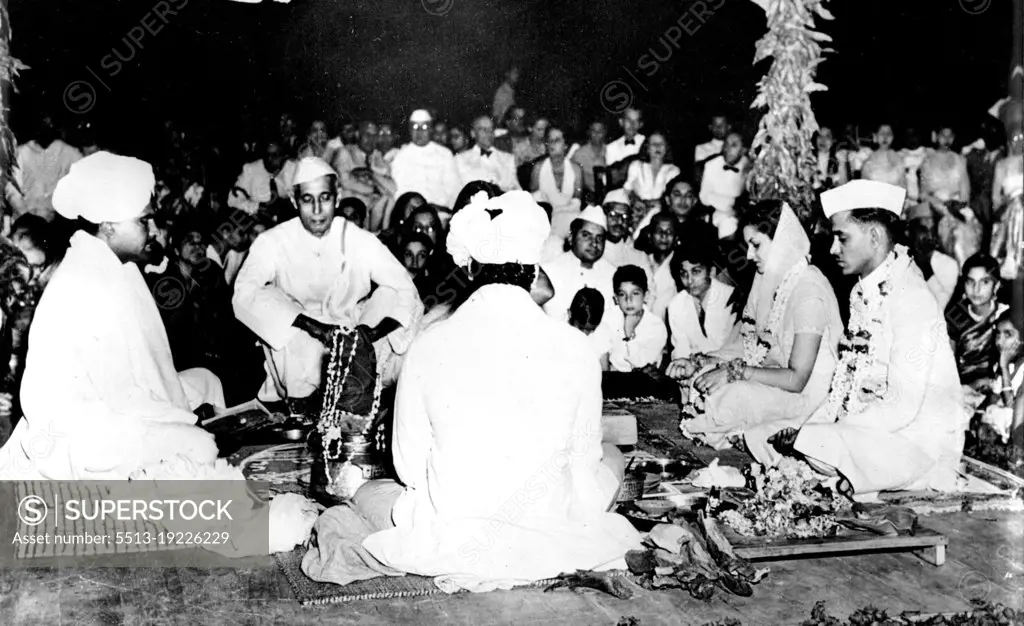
646 258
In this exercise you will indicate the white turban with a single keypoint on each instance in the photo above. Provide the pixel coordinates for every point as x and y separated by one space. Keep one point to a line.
310 169
863 194
105 187
510 228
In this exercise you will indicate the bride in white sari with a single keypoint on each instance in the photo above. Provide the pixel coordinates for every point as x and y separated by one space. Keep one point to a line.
776 369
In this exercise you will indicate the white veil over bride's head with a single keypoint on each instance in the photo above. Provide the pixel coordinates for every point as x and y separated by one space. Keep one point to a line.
790 246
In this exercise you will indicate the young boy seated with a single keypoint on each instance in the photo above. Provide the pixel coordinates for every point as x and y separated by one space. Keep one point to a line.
638 337
585 314
700 316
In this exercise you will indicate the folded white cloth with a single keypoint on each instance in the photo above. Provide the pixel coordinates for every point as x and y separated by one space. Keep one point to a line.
716 475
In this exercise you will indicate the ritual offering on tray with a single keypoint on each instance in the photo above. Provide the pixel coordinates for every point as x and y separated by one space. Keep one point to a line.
789 501
344 444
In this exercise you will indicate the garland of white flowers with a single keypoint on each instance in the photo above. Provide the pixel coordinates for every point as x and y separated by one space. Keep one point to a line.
849 391
755 345
332 418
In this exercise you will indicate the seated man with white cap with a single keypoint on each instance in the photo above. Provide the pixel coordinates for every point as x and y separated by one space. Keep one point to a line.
307 276
497 435
894 418
100 394
424 166
582 265
619 245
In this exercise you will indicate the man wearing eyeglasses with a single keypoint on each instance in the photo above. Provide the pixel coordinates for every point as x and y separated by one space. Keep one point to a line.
619 248
425 167
306 277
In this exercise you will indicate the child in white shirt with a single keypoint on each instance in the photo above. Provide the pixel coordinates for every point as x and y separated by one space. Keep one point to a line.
638 337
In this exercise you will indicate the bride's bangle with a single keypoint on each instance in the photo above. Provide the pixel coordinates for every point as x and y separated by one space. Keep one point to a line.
736 370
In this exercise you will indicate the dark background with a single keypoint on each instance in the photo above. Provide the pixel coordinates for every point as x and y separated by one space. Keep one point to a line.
219 66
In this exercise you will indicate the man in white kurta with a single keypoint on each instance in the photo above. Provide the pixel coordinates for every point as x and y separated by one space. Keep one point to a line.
100 394
582 265
619 245
424 166
311 273
897 421
502 485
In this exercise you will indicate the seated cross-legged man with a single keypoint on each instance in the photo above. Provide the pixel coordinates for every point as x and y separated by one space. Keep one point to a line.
308 276
894 418
497 433
100 394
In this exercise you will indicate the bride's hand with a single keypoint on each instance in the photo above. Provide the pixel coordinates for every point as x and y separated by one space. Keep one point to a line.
708 382
681 369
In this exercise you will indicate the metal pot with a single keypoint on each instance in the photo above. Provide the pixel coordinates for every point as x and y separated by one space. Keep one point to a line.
345 468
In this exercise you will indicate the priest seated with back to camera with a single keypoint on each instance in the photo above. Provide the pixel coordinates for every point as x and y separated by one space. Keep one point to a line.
100 394
497 436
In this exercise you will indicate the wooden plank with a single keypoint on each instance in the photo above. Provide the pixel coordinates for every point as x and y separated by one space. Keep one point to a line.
924 539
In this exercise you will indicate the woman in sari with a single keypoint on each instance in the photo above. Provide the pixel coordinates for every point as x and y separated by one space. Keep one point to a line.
777 367
971 321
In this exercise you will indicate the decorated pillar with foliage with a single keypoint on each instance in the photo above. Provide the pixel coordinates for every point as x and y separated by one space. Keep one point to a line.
9 68
784 161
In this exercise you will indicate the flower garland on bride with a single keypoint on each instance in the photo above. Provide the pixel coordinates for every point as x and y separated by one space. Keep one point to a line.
855 383
755 344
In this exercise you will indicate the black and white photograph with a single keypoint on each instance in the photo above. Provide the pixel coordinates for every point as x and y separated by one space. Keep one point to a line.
473 312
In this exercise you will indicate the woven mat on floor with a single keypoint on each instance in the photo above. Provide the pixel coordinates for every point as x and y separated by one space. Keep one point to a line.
310 593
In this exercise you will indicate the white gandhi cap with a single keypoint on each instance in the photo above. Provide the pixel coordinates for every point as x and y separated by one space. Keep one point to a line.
420 116
595 215
863 194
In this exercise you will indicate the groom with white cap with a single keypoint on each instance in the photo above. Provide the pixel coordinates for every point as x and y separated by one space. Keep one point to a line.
894 418
582 265
424 166
100 394
310 275
497 434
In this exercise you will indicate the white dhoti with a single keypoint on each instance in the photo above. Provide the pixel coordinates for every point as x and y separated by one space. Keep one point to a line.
201 386
297 369
879 461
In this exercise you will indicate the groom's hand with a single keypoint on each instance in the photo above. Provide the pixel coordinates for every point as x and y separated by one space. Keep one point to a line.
784 440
